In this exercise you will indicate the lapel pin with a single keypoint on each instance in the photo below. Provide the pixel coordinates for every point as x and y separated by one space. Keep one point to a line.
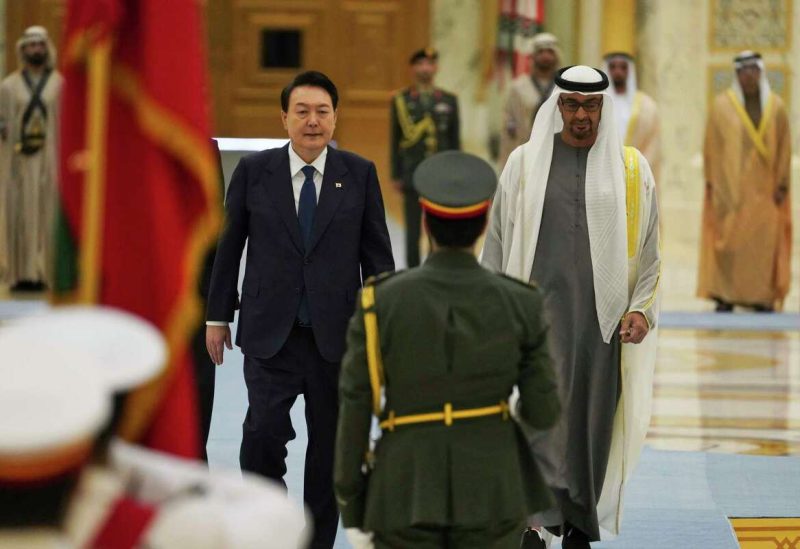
338 185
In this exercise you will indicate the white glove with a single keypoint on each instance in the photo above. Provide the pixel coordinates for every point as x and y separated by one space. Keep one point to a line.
358 538
513 404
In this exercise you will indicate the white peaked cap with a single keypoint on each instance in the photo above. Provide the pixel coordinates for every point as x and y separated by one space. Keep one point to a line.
129 350
52 405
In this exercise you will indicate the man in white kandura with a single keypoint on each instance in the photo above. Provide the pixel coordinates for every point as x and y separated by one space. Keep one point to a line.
576 212
636 112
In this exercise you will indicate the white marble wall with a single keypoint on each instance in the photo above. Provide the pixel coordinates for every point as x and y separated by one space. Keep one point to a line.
456 31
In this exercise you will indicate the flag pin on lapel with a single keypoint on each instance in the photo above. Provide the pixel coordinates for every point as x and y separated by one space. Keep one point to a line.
338 185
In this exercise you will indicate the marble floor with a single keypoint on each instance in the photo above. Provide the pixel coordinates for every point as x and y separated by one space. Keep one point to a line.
727 391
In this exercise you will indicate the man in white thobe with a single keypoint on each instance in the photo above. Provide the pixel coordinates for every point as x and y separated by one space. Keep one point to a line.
576 213
29 105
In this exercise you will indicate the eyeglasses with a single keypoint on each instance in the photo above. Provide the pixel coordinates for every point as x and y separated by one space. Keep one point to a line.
571 105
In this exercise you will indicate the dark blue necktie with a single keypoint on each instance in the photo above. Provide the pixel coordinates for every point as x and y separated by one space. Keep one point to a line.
305 215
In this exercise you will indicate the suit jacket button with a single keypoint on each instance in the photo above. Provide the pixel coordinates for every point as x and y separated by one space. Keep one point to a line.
306 261
297 290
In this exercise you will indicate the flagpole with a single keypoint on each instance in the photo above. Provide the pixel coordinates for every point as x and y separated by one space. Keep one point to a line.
91 237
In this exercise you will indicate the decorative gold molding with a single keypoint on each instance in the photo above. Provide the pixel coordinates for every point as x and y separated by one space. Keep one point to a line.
747 21
765 533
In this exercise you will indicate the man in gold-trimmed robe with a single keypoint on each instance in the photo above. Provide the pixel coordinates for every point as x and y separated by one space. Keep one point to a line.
747 228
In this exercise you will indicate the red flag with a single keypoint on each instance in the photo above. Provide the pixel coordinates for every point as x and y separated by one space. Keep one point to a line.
519 21
139 189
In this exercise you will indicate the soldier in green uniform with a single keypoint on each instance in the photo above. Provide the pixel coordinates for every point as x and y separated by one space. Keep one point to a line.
435 354
424 122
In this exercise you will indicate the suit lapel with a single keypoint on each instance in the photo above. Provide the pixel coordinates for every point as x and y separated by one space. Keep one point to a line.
278 181
330 196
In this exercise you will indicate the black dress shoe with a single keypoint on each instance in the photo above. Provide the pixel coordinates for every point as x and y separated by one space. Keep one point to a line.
21 286
575 539
531 540
37 286
723 306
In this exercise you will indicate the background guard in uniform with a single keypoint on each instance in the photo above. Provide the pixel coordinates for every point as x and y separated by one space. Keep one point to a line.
424 121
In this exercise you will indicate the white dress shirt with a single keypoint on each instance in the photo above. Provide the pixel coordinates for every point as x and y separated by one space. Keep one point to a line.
296 165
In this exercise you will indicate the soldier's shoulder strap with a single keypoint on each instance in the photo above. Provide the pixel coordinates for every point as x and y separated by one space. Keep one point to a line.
528 285
377 279
373 339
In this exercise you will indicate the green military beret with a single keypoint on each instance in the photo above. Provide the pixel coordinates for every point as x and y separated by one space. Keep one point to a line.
424 53
455 185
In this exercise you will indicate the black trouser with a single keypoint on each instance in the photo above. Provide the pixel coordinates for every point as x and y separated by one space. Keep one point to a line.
272 387
413 218
204 376
500 535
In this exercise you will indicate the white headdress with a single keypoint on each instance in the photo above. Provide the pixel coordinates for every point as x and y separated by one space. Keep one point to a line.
749 58
37 33
605 194
623 103
546 41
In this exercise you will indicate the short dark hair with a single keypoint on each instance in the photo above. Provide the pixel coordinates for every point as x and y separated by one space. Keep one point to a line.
456 233
309 78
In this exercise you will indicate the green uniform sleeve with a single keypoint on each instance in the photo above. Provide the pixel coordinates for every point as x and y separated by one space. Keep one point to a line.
455 127
538 390
352 435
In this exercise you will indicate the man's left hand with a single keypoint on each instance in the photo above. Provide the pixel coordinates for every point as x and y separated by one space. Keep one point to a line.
780 195
634 328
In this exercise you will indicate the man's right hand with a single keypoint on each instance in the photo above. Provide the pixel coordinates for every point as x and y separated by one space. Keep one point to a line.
216 337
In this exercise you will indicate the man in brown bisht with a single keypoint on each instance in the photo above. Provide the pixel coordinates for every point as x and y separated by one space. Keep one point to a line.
526 95
746 236
28 127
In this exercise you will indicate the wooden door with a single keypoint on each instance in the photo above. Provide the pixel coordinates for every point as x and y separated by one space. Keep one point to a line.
363 45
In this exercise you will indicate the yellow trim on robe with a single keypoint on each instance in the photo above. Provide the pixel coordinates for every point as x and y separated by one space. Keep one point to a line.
636 109
632 192
756 135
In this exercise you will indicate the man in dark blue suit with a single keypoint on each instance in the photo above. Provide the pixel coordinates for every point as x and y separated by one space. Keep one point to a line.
315 225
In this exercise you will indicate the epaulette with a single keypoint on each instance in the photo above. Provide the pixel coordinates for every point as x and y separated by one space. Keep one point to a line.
377 279
530 285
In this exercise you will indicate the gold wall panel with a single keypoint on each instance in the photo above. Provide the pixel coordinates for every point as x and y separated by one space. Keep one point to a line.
761 25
